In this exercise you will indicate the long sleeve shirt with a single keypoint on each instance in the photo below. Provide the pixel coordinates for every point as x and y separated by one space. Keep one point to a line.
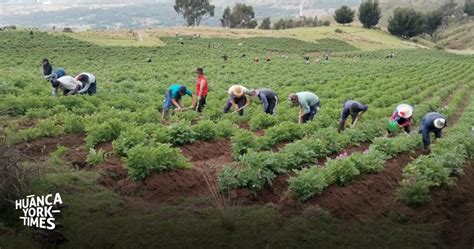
307 100
175 91
266 95
89 79
427 126
69 83
346 109
404 122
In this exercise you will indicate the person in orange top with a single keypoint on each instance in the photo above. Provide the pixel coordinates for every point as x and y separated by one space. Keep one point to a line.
201 89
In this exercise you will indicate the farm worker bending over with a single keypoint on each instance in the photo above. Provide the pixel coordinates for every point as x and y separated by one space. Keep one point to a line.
201 89
68 84
354 109
89 83
402 115
268 98
173 98
237 99
308 105
431 122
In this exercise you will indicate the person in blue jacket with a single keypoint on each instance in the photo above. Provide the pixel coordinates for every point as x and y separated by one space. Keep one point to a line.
354 109
431 122
173 98
268 98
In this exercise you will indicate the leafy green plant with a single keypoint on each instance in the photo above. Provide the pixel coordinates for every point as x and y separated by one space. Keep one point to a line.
205 130
309 182
129 139
341 171
242 142
98 133
95 157
73 124
59 152
181 134
262 121
143 160
370 161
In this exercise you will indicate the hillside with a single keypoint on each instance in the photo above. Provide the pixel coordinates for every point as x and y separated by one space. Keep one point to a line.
459 37
358 37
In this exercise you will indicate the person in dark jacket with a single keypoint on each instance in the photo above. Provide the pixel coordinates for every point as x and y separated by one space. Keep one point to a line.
431 122
89 83
354 109
268 98
47 68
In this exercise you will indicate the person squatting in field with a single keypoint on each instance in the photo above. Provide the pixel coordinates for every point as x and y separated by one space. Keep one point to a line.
308 103
268 98
89 83
68 84
354 109
403 116
237 98
173 98
201 89
431 122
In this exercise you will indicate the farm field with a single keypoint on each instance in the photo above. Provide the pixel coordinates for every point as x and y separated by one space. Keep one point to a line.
215 180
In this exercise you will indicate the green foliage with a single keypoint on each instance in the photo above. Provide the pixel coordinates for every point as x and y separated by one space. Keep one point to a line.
262 121
205 130
59 152
309 182
344 15
433 21
98 133
95 157
406 22
143 160
73 124
300 153
194 10
469 7
341 171
224 129
128 139
393 146
369 13
181 134
242 142
370 161
265 24
242 16
285 132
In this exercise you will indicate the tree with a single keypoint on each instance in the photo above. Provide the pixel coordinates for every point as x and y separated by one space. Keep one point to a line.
344 15
241 16
226 17
369 13
280 24
449 8
433 21
406 22
194 10
266 23
469 7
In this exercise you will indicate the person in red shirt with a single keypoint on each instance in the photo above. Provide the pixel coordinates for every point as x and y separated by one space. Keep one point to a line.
201 89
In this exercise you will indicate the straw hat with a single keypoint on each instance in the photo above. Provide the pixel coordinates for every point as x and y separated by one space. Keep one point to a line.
439 123
237 90
405 111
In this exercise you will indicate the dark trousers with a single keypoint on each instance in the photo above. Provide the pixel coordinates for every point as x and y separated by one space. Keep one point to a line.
92 89
201 103
426 136
311 114
271 106
240 103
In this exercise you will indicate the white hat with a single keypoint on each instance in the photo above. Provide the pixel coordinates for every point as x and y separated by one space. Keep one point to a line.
405 111
439 123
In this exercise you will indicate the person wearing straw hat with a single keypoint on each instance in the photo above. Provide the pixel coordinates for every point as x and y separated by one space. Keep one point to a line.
402 116
237 99
201 89
431 122
308 103
268 98
354 109
173 98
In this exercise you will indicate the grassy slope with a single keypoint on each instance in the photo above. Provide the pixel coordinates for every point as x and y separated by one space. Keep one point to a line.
459 37
358 37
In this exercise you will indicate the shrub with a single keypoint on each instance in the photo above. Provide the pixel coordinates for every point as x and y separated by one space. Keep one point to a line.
262 121
285 132
242 141
224 129
143 160
73 124
205 130
181 134
415 192
98 133
228 178
308 183
129 139
297 155
370 161
162 134
341 171
95 157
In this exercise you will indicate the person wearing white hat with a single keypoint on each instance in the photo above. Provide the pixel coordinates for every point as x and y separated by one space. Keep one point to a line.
403 115
237 99
431 122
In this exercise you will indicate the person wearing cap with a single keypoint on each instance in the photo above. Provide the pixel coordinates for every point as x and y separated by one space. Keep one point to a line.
237 98
431 122
89 83
68 84
173 98
354 109
403 115
268 98
201 89
308 103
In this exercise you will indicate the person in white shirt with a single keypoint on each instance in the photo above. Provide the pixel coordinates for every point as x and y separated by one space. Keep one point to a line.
89 83
68 84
